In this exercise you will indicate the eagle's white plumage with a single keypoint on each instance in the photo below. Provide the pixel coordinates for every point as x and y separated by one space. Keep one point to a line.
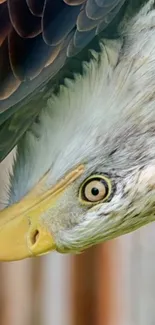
114 91
69 126
106 120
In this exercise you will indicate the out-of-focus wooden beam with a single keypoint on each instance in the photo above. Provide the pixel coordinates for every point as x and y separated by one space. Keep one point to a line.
56 290
83 288
97 286
36 290
140 276
109 284
17 293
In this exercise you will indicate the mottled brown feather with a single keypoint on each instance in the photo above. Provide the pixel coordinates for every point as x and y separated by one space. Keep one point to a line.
38 40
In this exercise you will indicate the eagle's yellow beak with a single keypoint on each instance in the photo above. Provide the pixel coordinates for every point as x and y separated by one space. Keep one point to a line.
22 233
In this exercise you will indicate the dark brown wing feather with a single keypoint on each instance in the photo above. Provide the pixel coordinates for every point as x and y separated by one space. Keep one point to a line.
36 38
32 31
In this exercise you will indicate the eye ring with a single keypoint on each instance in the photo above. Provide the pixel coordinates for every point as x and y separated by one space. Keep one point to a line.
95 189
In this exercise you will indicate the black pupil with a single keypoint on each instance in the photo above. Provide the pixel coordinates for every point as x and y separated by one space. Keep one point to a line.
95 191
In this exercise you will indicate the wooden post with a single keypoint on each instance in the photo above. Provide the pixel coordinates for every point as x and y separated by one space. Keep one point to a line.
97 286
110 304
83 288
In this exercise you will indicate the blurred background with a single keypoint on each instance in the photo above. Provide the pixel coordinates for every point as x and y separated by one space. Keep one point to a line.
110 284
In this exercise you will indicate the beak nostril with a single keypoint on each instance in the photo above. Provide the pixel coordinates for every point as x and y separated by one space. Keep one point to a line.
34 237
39 240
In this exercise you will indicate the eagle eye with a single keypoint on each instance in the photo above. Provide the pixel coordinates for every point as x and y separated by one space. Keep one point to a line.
95 189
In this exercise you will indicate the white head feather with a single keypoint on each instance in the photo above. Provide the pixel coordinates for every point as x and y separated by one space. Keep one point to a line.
106 119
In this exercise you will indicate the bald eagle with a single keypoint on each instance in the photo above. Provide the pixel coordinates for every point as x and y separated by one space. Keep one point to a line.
77 97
